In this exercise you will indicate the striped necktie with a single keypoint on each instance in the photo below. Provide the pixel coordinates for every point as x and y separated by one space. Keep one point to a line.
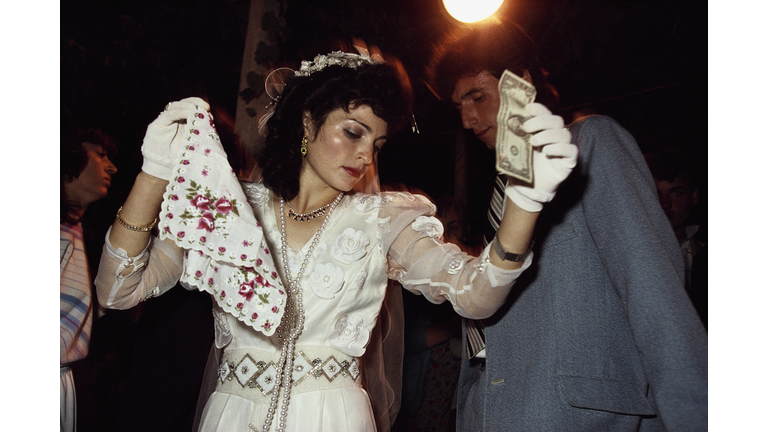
475 328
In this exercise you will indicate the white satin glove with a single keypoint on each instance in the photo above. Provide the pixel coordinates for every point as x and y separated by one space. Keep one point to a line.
553 159
163 138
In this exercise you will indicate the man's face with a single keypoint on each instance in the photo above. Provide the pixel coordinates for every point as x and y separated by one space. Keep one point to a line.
677 199
477 98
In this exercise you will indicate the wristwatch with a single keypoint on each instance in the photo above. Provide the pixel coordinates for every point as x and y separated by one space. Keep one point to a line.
509 256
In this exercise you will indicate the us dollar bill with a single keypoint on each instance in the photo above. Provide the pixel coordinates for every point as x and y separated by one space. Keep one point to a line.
514 156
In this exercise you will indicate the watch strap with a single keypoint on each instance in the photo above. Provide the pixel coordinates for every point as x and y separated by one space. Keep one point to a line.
509 256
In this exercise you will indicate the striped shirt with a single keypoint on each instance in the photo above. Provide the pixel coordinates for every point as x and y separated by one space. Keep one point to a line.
475 328
76 302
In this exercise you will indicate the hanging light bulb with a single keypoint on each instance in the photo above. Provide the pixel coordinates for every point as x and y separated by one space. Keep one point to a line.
470 11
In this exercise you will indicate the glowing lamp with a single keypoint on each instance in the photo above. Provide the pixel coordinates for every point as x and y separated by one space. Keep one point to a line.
470 11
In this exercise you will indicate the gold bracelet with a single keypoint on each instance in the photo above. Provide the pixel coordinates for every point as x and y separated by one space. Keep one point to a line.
133 227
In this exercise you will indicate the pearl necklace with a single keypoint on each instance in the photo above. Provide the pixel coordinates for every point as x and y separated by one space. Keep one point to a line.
296 317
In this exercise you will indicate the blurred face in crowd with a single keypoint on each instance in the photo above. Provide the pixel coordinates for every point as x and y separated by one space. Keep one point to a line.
93 182
677 199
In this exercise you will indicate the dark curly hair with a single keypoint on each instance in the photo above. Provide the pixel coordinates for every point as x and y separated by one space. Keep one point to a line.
383 87
74 157
492 46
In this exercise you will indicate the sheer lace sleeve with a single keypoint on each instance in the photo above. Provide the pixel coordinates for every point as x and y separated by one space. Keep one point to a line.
154 271
441 271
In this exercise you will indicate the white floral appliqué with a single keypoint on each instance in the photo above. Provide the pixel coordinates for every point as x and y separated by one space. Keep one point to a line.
429 225
326 280
365 203
349 335
454 265
350 246
360 278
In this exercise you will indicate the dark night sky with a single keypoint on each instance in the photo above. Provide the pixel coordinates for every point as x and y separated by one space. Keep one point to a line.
643 62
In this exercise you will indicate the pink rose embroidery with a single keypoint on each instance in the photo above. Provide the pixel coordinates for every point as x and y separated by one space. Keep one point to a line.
206 222
201 202
223 206
246 290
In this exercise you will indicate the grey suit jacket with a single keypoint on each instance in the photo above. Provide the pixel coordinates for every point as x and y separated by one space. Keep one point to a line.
599 334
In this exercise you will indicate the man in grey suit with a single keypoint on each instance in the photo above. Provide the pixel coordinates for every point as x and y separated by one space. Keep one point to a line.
599 334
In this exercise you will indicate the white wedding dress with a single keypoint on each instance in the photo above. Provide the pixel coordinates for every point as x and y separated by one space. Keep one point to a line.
368 240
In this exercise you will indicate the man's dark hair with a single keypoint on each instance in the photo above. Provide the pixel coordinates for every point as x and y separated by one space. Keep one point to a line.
669 163
493 46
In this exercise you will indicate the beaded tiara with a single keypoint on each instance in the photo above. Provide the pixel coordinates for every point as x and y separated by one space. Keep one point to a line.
277 79
340 58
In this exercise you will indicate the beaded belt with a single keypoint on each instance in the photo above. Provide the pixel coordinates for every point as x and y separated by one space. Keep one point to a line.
250 373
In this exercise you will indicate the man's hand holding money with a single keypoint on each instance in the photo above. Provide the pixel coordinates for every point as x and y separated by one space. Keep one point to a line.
553 159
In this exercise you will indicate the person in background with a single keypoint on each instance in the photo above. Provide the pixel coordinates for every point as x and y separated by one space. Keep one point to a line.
85 177
600 336
678 192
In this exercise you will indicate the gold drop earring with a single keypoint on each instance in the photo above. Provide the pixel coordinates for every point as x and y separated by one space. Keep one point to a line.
303 148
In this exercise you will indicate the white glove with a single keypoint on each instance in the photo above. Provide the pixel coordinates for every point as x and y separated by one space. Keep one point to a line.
163 138
553 159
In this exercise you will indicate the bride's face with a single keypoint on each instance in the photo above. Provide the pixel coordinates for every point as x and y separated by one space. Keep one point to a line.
344 147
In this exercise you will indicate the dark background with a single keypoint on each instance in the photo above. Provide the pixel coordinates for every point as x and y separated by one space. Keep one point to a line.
642 62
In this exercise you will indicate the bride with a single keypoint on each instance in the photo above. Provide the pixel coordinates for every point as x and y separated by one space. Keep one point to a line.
297 264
